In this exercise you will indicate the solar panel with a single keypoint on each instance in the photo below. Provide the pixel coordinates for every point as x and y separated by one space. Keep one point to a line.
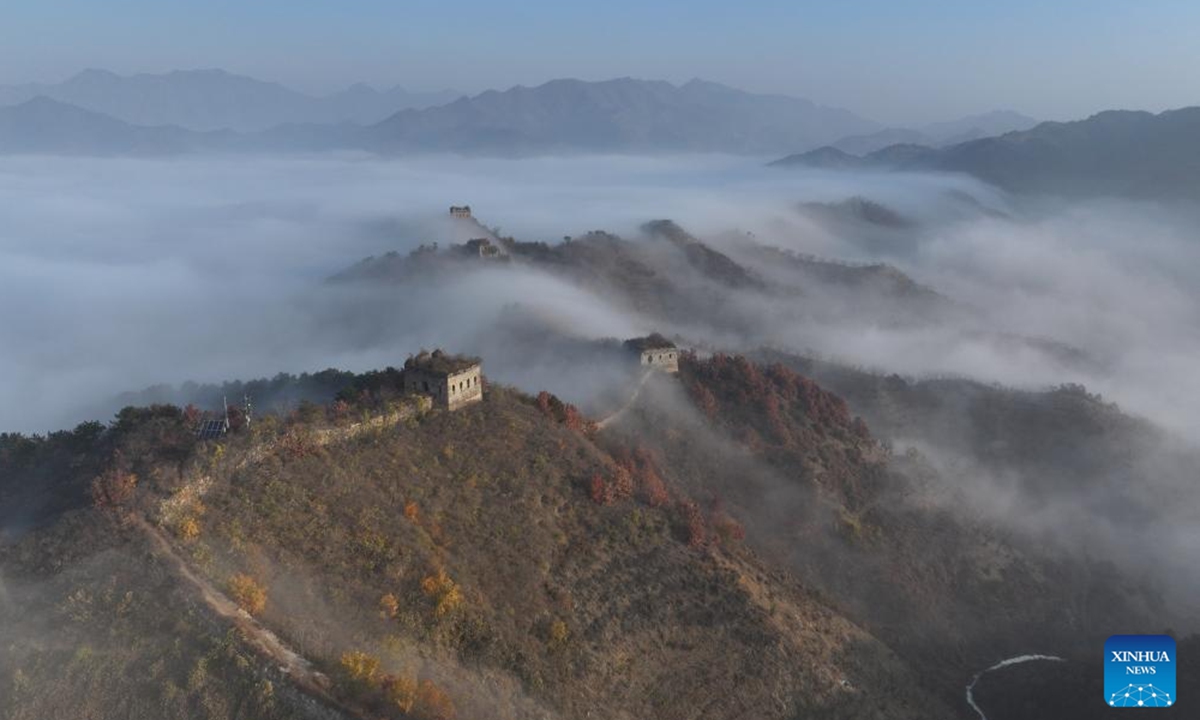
210 429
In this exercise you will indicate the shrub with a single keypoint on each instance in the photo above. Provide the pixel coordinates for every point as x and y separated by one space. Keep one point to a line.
113 488
558 633
247 593
653 489
692 521
400 693
188 529
357 673
433 703
705 399
572 418
297 443
599 491
443 591
389 606
622 484
728 529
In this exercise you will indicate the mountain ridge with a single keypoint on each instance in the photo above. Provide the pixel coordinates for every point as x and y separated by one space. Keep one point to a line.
617 114
1128 153
208 99
939 134
561 115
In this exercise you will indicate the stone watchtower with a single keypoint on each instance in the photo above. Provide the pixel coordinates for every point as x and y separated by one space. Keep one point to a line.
453 381
655 352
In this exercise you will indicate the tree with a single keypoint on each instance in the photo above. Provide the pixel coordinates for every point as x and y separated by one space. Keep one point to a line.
400 692
113 488
192 415
729 530
433 703
572 418
693 523
357 673
653 489
339 410
622 484
558 633
249 595
189 529
389 606
705 399
598 490
444 592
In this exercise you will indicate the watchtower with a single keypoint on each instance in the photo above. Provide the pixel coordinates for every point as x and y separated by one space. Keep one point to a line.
453 381
654 351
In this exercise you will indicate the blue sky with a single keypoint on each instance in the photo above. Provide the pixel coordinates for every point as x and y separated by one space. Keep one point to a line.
899 62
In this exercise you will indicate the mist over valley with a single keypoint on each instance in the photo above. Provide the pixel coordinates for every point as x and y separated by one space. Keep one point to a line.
855 382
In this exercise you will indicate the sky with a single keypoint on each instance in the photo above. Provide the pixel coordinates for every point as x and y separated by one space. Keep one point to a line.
898 63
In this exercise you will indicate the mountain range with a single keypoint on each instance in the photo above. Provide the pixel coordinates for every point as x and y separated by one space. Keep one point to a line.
42 125
622 115
1116 153
101 112
747 537
212 99
1125 153
940 134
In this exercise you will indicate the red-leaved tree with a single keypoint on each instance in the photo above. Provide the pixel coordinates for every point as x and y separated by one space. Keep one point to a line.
598 490
692 521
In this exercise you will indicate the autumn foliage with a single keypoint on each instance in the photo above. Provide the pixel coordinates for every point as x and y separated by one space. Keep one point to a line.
724 527
114 487
564 413
790 403
443 592
192 415
638 475
247 593
433 703
622 484
358 673
361 679
399 693
389 605
599 491
691 521
339 410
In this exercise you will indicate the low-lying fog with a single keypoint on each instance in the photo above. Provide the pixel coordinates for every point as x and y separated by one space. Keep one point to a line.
116 274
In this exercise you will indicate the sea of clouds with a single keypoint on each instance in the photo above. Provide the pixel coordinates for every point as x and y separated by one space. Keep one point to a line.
116 274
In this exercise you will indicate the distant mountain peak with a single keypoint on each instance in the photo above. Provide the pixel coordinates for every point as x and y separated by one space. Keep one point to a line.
622 114
1122 153
702 83
210 72
93 74
206 99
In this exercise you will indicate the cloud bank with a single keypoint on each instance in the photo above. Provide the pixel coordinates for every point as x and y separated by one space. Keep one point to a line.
119 273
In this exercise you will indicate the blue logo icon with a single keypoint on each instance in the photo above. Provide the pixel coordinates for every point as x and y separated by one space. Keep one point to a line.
1139 671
